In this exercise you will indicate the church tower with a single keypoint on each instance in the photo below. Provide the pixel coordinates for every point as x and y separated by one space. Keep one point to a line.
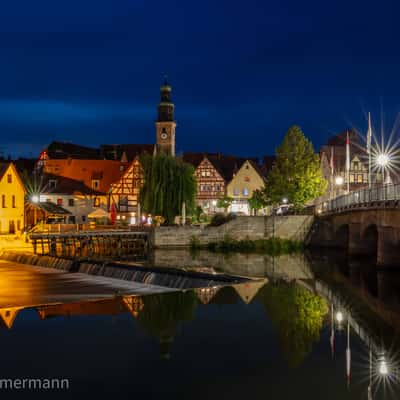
165 124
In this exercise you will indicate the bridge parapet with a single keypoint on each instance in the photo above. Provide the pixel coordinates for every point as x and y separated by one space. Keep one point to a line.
383 196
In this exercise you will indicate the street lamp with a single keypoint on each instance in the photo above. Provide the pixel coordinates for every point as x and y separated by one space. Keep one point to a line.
382 160
285 200
339 181
35 198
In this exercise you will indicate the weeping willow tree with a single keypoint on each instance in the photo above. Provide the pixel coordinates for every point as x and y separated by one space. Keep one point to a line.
162 314
168 184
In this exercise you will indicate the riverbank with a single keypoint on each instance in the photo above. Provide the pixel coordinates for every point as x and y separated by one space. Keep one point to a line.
272 246
15 243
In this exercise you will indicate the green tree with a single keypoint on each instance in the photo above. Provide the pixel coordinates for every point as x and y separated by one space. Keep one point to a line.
224 202
162 314
168 183
297 315
296 174
257 201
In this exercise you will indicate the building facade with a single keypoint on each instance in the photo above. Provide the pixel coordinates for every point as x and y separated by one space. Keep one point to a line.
12 200
334 152
242 186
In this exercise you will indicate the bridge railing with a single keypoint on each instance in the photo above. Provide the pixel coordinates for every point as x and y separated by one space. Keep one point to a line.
362 197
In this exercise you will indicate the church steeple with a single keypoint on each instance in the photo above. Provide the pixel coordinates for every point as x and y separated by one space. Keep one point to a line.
165 124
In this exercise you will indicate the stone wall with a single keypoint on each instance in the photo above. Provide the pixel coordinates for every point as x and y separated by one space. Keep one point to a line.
290 267
294 227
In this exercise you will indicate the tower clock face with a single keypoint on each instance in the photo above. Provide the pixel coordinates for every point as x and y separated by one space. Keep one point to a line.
164 136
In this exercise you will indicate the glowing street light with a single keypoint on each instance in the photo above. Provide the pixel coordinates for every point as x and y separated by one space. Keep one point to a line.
35 198
284 200
339 181
383 160
339 317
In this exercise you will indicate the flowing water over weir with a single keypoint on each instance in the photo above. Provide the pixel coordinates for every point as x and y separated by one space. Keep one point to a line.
148 275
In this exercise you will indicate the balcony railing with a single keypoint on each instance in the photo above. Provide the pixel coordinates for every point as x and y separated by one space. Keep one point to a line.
361 198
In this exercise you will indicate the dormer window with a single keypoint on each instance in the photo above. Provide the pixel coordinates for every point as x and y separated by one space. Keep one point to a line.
52 183
95 184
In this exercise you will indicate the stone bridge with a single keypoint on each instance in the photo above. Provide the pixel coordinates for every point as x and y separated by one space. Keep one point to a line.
364 223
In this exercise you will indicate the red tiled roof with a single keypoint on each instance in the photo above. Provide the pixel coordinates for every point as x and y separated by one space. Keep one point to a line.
107 171
67 186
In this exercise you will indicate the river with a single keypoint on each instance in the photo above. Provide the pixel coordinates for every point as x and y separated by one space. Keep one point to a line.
309 326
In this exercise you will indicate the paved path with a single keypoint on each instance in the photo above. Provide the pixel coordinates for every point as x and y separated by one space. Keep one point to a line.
25 286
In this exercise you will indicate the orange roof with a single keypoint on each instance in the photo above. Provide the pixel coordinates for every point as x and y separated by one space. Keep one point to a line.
106 171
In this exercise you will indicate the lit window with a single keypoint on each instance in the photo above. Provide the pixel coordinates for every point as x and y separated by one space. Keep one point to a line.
95 184
351 178
59 201
245 192
359 178
235 191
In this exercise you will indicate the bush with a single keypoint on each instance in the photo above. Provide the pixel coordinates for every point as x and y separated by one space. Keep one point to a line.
220 219
274 246
195 243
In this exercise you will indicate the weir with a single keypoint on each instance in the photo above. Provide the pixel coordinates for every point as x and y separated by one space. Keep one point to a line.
170 278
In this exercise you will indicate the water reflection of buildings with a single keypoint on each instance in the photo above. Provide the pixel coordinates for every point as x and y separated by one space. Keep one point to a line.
8 315
121 304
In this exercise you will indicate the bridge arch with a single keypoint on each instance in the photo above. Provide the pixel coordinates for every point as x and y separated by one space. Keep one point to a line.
342 235
370 238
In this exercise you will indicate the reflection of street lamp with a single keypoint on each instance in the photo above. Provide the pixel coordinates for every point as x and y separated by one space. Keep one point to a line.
339 317
214 203
383 368
284 200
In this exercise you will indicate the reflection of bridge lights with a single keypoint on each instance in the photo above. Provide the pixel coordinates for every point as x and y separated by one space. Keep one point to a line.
383 367
339 317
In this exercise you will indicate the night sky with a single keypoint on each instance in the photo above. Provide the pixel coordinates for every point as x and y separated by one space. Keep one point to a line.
89 71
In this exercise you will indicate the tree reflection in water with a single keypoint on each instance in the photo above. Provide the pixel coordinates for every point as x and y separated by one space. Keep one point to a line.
162 314
297 315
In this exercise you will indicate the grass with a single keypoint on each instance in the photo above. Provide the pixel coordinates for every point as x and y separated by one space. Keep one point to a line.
273 246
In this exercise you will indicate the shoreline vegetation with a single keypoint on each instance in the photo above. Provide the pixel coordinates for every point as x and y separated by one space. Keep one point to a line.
272 246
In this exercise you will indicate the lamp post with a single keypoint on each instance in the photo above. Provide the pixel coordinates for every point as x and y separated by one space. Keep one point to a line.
214 203
382 160
339 182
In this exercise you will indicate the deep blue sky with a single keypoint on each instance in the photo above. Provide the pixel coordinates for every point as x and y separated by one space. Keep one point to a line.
242 72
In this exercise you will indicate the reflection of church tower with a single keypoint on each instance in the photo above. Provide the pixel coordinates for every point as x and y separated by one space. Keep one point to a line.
165 124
